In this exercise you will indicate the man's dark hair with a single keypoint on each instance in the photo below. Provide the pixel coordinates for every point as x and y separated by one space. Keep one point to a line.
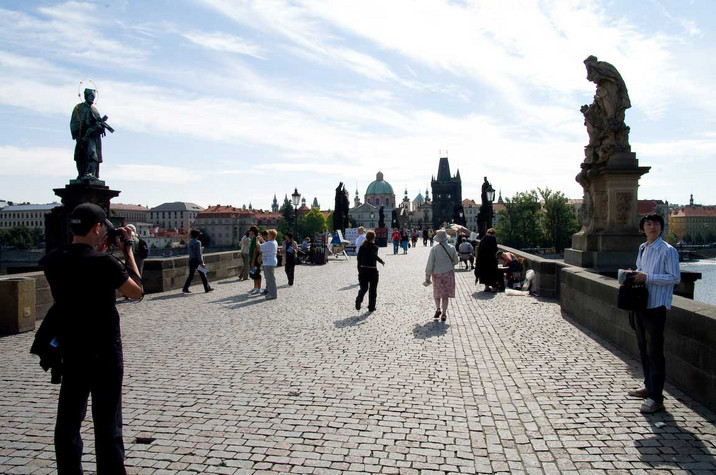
254 230
195 233
654 218
289 235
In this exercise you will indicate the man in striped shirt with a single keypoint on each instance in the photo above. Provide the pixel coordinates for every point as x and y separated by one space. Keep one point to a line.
657 265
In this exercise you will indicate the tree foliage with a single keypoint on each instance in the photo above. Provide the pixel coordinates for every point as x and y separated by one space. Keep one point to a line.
558 219
21 237
519 224
313 222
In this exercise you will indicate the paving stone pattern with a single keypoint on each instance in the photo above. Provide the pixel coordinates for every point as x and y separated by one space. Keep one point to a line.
227 383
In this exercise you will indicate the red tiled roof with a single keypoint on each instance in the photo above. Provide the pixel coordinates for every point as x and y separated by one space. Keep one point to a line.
697 211
647 206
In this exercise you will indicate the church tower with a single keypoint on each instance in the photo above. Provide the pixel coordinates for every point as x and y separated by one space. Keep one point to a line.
447 194
274 205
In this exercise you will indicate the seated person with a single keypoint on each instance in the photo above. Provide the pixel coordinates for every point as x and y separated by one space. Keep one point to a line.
466 253
514 267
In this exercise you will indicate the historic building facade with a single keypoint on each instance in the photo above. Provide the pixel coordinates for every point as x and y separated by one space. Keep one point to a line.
379 193
447 194
176 215
27 215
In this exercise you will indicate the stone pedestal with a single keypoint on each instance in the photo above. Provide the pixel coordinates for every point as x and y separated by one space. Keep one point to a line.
57 228
17 312
609 238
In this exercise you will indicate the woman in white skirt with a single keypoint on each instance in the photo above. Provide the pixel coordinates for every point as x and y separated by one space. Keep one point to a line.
441 269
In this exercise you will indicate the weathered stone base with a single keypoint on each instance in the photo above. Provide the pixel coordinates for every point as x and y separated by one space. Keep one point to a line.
601 262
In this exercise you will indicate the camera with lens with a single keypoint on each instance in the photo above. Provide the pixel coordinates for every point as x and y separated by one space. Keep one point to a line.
113 233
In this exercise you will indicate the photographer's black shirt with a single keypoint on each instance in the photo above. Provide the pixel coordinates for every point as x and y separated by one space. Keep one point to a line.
83 284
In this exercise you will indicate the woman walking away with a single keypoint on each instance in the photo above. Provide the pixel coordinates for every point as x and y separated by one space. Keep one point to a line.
441 268
269 249
368 271
404 239
290 248
486 268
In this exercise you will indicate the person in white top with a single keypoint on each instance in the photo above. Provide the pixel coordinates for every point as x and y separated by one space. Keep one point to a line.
657 266
441 269
360 238
269 249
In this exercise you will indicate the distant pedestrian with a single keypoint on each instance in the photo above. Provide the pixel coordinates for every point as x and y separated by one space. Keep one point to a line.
404 240
657 266
486 266
368 271
440 269
431 236
196 260
255 259
141 248
414 238
269 249
360 238
395 237
425 237
289 253
245 245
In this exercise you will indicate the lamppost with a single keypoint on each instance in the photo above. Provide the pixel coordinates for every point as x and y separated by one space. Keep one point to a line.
490 198
372 215
296 197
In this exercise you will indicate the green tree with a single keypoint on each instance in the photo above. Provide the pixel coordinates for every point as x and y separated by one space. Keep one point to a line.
687 238
313 222
671 239
519 224
22 237
329 221
558 219
286 224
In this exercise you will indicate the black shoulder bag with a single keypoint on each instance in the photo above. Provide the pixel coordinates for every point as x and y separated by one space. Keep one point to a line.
632 296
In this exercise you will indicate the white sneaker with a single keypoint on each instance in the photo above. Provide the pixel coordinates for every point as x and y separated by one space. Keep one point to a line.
254 291
263 292
650 406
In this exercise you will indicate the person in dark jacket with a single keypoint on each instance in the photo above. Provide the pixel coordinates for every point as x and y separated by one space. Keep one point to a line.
83 280
368 271
196 260
486 268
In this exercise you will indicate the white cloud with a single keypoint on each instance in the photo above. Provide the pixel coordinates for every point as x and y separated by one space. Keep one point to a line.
150 173
224 42
36 161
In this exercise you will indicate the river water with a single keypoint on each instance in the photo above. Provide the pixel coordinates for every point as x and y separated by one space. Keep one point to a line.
705 290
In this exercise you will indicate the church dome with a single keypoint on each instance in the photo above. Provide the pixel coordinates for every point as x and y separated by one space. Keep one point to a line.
379 186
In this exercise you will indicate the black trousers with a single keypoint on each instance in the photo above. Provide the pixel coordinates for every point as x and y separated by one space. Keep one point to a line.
193 265
103 380
368 280
289 267
649 326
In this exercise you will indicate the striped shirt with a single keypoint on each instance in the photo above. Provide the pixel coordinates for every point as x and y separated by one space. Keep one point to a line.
660 262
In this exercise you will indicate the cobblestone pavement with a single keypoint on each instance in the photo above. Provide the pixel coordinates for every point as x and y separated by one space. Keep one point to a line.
227 383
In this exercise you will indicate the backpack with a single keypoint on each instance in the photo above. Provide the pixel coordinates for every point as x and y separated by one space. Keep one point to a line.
142 249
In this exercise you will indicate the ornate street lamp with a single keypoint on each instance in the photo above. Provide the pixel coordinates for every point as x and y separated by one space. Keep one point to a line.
490 197
296 197
372 215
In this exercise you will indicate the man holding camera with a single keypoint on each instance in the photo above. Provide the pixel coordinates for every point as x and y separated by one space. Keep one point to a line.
657 266
83 280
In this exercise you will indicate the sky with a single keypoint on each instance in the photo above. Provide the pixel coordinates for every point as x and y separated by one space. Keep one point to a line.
230 102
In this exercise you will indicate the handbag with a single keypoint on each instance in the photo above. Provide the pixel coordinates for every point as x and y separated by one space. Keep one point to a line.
632 296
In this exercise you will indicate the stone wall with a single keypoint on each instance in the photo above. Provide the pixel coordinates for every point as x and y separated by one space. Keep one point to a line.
546 282
161 275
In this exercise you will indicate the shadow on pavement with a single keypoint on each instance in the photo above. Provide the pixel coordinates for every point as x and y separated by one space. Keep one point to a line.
173 296
348 287
247 303
430 329
351 321
481 295
673 445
